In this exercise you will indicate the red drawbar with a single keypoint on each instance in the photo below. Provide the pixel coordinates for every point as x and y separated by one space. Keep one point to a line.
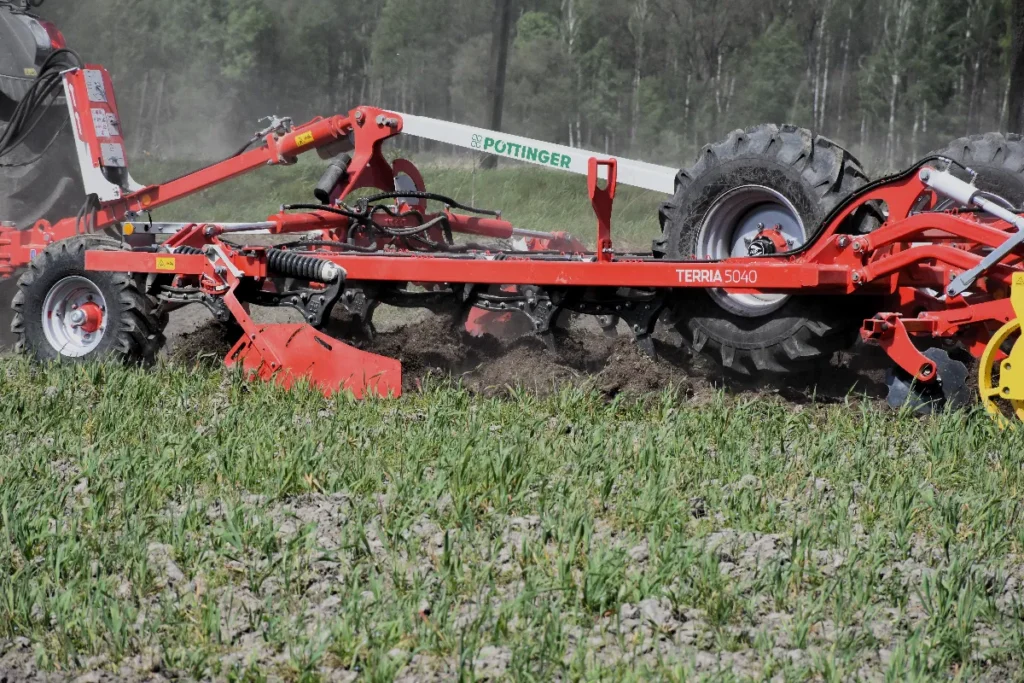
296 352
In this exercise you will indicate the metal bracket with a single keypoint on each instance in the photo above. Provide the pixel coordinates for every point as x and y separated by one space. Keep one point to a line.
640 314
540 305
889 332
966 194
276 124
315 305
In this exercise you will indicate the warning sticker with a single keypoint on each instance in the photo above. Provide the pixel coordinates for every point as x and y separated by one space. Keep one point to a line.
95 86
304 139
99 122
166 264
113 155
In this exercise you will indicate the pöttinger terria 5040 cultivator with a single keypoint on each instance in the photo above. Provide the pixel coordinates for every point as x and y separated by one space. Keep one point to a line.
776 251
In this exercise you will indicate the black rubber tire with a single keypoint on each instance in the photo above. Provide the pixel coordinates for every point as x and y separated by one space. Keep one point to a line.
815 174
998 159
50 188
138 335
8 289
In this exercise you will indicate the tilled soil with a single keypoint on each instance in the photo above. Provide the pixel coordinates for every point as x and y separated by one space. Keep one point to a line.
434 348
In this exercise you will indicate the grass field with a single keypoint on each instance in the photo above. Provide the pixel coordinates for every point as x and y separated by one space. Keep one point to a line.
184 524
188 523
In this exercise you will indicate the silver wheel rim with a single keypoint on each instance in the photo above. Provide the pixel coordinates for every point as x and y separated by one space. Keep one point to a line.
65 323
731 225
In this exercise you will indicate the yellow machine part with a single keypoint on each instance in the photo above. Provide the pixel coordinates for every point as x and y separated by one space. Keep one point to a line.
1001 376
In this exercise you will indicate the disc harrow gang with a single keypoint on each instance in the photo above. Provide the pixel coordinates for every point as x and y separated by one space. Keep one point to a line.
776 252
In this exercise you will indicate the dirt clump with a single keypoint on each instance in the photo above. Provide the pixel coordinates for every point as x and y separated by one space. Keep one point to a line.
628 370
437 347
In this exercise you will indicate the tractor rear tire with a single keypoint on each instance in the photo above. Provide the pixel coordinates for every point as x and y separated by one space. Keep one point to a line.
8 289
56 283
806 177
997 158
49 188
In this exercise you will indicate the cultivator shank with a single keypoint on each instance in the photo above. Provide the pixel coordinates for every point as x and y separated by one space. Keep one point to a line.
936 266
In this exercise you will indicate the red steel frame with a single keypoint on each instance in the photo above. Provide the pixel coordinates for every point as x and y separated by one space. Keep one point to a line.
911 252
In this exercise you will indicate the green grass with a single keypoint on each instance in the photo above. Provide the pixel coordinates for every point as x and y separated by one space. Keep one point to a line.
530 198
186 517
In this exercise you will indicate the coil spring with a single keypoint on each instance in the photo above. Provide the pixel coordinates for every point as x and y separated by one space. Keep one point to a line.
295 265
188 251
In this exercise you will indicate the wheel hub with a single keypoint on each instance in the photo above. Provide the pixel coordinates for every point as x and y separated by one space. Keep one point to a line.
768 242
750 221
74 317
89 317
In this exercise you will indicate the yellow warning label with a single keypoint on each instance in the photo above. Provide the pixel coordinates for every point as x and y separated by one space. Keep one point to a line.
166 264
304 139
31 72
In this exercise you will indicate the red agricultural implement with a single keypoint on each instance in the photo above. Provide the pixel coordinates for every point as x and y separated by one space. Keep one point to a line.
776 252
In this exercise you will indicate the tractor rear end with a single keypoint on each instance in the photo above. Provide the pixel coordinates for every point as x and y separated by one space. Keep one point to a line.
776 252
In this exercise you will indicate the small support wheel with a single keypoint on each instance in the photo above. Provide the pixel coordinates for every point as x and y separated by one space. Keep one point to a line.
64 312
1001 373
950 388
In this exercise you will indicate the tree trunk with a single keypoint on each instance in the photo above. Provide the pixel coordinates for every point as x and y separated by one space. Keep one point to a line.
842 79
570 30
890 144
1016 99
639 21
499 64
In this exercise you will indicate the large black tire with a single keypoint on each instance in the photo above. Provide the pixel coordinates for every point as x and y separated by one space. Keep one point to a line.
8 289
50 188
134 329
997 158
815 175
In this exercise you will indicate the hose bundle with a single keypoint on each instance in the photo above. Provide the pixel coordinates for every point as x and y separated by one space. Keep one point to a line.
367 207
32 109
